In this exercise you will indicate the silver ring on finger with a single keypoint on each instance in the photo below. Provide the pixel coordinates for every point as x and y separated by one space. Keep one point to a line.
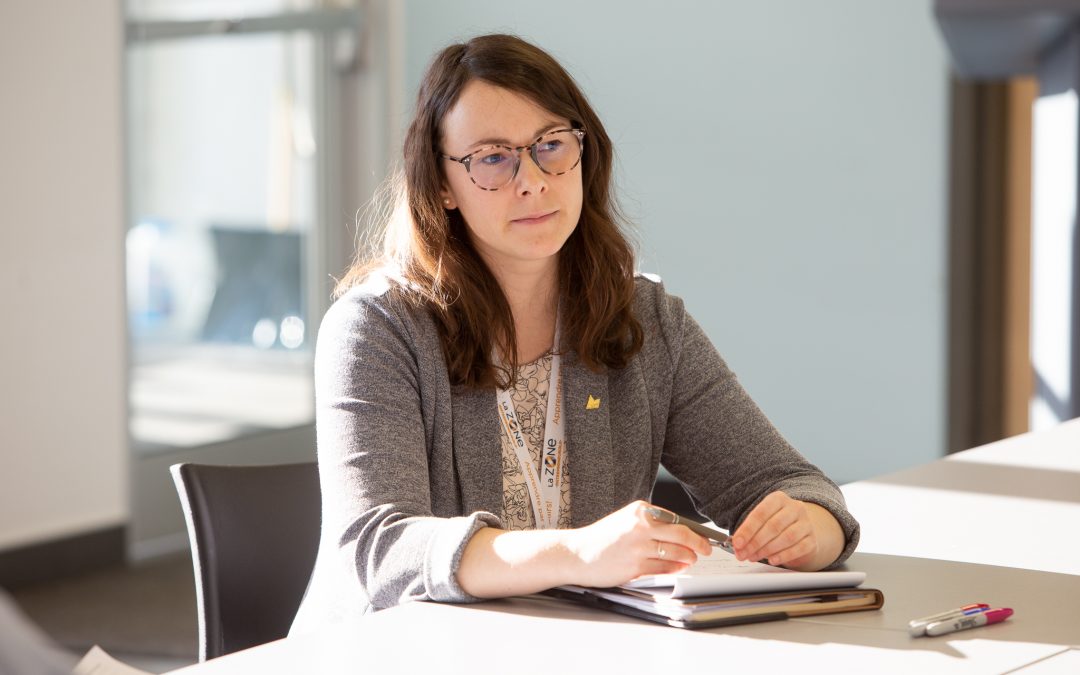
660 552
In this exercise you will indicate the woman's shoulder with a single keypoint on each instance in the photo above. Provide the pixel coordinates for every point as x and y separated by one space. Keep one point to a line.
380 303
663 319
652 302
358 302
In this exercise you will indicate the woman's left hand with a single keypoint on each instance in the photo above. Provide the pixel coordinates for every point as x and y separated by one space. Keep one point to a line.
786 531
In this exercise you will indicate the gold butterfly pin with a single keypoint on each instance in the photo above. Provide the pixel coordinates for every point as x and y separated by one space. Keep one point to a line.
593 403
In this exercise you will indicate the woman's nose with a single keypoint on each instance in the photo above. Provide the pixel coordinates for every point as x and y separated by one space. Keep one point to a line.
530 178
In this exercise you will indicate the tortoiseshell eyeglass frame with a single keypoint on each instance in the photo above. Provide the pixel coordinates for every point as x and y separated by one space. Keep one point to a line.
516 152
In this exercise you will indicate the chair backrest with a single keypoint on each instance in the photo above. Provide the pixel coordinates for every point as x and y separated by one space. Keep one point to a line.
254 534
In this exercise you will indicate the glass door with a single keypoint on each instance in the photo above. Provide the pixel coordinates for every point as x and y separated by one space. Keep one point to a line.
228 168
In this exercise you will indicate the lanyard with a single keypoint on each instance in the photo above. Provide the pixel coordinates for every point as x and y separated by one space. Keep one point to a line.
545 484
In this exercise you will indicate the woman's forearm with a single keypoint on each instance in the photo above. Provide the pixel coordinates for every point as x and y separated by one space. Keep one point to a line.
497 563
613 550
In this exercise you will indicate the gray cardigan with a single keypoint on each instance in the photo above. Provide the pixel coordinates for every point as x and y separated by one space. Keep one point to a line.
411 466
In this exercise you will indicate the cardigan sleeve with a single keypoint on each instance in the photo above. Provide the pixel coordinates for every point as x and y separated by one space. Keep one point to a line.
373 461
720 445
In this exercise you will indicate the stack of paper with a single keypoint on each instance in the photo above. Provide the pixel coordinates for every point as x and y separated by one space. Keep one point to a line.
721 590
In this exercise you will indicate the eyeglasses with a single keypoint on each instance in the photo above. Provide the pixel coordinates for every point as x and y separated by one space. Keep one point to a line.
494 166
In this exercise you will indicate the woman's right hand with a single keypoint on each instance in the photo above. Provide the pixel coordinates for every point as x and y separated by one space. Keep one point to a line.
629 543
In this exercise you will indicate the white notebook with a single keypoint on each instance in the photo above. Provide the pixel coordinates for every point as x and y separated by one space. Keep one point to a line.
722 574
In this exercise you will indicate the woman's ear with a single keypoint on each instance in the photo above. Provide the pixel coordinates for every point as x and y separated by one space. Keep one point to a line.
447 199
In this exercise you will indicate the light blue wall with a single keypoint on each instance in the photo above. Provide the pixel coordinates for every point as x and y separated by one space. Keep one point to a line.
785 163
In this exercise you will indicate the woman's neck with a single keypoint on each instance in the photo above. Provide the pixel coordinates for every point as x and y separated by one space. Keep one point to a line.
532 291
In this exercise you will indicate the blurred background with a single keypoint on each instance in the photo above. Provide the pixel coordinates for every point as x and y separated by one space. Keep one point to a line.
881 247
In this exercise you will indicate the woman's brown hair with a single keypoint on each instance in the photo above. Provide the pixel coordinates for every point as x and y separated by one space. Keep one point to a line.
428 248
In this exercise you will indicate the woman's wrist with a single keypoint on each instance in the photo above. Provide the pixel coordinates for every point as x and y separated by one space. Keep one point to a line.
829 534
571 562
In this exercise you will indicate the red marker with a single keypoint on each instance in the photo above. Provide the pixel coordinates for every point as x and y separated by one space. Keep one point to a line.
963 623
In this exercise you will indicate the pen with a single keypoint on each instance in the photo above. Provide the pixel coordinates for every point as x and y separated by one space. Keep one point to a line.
974 621
716 536
917 627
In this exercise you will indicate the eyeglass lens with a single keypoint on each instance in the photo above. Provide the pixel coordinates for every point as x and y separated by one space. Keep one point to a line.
556 153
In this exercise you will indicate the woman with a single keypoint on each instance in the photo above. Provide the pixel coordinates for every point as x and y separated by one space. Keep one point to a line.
496 390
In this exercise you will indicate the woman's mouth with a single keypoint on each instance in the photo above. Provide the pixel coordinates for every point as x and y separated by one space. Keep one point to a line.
535 218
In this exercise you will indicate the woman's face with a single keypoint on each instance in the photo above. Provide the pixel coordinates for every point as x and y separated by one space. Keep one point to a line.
526 222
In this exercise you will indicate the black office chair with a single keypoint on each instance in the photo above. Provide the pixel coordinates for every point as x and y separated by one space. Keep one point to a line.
254 534
670 494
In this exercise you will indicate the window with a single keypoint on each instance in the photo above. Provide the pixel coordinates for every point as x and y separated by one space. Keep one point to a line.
1054 310
226 168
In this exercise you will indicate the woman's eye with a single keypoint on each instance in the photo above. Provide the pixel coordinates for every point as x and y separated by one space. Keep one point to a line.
494 159
550 146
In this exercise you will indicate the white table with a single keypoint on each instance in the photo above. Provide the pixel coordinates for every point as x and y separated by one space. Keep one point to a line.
1014 505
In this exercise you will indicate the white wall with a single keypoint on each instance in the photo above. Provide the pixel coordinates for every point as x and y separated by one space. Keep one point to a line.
786 164
63 447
